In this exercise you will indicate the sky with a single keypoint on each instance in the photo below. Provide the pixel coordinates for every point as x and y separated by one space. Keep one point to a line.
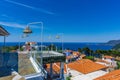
72 20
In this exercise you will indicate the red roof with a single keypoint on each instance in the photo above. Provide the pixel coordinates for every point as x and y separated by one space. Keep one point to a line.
56 67
108 57
114 75
85 66
75 53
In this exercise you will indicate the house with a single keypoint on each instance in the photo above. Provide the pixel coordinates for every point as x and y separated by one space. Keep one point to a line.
83 69
109 62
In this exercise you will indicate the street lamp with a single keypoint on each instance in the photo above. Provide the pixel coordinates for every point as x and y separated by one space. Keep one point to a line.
62 63
58 37
51 45
28 31
23 36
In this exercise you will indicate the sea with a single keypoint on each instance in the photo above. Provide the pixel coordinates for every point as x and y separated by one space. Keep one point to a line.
68 45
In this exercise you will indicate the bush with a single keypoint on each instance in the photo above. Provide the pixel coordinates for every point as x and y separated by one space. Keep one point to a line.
90 57
68 78
118 64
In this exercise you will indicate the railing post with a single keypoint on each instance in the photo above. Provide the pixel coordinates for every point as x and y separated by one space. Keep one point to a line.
62 70
51 70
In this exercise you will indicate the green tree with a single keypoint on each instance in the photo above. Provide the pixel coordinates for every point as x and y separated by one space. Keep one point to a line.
89 57
68 78
52 46
118 64
79 50
86 49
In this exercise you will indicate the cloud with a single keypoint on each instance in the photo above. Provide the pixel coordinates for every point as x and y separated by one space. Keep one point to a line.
6 16
17 25
10 24
31 7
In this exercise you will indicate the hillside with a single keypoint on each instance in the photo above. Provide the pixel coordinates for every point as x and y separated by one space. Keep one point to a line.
113 42
117 46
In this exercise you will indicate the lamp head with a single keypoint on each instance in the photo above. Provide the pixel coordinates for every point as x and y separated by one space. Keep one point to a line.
57 37
27 30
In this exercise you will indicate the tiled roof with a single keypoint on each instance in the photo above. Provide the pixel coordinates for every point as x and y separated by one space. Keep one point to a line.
108 57
75 53
56 67
68 51
114 75
82 55
100 60
85 66
68 57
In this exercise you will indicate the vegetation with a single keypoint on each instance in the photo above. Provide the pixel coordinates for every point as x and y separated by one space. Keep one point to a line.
9 48
98 53
115 52
68 78
90 57
52 47
113 42
118 64
79 50
117 47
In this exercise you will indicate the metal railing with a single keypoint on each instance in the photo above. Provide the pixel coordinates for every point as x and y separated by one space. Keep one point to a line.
39 66
34 76
43 71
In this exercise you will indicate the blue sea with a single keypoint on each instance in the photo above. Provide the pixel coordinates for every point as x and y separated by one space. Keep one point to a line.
69 45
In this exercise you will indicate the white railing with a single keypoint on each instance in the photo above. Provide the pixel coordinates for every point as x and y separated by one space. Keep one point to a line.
34 76
38 68
43 71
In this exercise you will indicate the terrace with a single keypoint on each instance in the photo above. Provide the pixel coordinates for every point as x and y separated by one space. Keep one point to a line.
25 66
29 64
49 56
10 78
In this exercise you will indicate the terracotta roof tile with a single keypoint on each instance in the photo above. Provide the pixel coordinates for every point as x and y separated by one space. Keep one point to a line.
100 60
75 53
114 75
82 55
85 66
56 67
108 57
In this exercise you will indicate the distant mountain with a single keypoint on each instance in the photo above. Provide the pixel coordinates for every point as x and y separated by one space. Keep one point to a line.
117 47
113 42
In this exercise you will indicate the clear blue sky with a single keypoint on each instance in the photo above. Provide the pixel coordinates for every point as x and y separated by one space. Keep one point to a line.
79 20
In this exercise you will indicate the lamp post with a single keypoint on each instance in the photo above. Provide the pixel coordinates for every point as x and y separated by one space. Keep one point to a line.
61 63
27 31
58 37
23 36
51 46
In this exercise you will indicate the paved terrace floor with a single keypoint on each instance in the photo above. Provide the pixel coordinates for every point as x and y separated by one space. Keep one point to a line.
9 78
25 66
47 53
